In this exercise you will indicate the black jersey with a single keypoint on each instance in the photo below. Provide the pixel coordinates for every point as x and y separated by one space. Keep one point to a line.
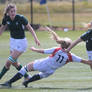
16 26
87 37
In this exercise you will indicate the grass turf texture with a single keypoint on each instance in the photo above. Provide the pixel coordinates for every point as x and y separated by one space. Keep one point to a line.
73 77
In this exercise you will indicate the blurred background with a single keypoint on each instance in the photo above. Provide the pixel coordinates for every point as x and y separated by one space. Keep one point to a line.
57 13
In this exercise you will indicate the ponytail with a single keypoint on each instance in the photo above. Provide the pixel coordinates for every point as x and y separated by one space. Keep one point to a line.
64 42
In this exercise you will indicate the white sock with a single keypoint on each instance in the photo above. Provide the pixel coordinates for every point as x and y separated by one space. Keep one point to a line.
23 71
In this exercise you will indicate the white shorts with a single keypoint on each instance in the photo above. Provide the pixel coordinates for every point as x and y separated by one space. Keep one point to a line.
18 44
42 66
89 55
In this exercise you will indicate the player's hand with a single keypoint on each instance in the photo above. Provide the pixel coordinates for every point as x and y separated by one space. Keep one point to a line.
91 65
37 42
32 48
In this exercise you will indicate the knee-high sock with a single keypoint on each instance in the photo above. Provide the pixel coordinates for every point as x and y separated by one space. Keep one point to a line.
34 78
15 78
3 71
18 76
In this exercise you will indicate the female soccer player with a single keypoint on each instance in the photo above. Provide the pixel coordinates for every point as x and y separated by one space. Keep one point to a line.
18 42
47 66
86 37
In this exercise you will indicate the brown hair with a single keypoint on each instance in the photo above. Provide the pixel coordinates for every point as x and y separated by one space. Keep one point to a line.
8 8
64 42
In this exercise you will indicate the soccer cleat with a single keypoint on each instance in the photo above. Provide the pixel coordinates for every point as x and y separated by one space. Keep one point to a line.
6 84
25 84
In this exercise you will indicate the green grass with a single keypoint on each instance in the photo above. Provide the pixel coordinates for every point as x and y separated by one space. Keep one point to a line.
73 77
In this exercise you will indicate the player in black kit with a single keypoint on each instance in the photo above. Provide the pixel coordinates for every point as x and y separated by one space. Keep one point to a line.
87 37
18 42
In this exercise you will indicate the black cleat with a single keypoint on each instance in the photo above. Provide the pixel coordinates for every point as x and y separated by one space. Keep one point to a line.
25 84
6 84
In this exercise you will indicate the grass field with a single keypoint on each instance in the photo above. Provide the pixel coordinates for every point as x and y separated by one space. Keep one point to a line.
73 77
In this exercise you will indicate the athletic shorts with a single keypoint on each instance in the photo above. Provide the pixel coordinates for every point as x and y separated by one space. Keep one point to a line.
18 44
41 65
89 55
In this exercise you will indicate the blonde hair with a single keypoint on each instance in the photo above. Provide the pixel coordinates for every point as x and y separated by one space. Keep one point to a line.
64 42
8 8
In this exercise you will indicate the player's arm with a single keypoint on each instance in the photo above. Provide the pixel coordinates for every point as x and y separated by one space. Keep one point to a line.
45 51
80 60
89 62
2 28
28 26
73 44
37 50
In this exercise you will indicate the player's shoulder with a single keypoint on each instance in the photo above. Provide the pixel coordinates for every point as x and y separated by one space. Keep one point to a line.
19 16
6 18
57 49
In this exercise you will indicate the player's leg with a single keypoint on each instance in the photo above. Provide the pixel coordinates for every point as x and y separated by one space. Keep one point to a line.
5 68
18 48
18 66
90 56
36 77
40 66
18 76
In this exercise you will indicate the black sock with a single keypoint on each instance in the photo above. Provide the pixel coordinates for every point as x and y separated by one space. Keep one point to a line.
19 67
3 71
15 78
34 78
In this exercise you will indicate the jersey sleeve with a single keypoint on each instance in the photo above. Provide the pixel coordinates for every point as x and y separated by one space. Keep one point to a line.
24 20
49 51
76 58
85 36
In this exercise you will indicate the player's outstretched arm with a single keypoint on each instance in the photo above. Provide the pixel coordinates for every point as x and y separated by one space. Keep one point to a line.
37 50
73 44
89 62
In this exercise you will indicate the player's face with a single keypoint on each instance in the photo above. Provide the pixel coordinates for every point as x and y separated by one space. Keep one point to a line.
12 13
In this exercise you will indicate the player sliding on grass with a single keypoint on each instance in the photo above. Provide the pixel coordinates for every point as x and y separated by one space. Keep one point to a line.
47 66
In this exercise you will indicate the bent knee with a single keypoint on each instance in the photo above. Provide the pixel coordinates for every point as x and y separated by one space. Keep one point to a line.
8 64
30 67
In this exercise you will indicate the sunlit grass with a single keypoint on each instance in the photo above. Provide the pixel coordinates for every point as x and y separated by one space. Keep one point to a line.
73 77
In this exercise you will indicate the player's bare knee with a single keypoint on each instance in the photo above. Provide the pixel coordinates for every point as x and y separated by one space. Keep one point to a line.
30 67
8 64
